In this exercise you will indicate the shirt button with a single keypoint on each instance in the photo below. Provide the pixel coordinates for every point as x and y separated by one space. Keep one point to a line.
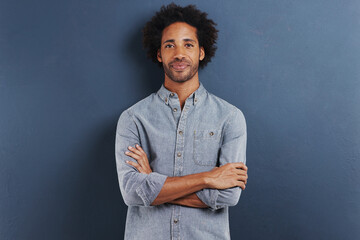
179 154
211 133
172 94
181 132
166 100
175 109
175 220
195 99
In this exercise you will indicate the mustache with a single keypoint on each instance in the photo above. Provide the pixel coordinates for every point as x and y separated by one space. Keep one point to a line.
180 61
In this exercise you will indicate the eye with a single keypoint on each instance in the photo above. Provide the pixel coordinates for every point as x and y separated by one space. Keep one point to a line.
189 45
169 46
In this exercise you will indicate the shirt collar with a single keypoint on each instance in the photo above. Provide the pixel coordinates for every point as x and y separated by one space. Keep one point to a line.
197 95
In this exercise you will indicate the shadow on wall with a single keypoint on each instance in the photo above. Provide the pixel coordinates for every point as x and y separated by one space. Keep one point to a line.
98 190
95 190
80 198
147 74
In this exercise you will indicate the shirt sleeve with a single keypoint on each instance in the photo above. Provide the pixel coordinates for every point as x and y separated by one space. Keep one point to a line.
233 149
137 189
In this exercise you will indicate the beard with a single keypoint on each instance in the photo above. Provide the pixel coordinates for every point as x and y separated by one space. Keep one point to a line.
182 76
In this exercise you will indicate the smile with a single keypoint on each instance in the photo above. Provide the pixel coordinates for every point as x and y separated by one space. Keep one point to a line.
179 66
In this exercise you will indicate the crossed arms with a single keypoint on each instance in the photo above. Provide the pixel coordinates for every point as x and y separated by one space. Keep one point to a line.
220 187
181 190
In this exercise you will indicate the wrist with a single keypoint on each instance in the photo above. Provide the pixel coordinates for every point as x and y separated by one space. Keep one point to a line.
206 180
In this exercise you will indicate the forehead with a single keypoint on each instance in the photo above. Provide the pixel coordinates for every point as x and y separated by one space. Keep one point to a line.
179 30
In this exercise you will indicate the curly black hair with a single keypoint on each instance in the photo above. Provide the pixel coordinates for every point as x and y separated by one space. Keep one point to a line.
206 31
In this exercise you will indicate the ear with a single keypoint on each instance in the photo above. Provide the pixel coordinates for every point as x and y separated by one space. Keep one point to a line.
159 55
202 53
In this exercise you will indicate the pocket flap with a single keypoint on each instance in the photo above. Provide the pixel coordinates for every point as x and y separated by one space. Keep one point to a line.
201 134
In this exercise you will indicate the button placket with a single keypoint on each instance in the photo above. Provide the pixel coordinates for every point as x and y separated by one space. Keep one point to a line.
180 142
178 165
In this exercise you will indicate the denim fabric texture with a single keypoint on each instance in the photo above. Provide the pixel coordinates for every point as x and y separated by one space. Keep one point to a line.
206 133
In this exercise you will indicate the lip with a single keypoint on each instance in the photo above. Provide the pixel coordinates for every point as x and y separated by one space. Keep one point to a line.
179 66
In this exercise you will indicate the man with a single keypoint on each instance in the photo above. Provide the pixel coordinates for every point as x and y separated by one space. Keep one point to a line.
180 152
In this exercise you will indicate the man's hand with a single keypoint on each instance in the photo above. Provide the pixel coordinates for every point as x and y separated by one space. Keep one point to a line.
228 175
140 156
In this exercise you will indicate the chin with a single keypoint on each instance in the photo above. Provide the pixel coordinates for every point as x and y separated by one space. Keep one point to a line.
179 80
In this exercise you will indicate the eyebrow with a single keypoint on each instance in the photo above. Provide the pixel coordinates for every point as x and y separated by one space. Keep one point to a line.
185 40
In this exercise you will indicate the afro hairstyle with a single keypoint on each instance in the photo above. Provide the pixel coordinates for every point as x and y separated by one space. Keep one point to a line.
206 31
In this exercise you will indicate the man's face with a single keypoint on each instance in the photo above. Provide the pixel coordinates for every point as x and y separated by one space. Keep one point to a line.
180 52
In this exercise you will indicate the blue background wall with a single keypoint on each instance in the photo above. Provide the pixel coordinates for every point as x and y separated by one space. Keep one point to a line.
69 68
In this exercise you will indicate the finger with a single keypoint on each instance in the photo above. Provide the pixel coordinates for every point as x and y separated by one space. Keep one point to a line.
241 185
140 149
241 172
142 153
134 150
241 166
244 167
242 178
134 164
133 155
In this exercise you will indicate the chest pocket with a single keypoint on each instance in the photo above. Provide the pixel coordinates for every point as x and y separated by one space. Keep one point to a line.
206 147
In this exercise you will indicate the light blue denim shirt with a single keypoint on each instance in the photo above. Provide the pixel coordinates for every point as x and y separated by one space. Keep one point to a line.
206 133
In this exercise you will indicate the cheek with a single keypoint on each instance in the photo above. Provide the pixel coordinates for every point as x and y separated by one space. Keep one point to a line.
165 56
196 57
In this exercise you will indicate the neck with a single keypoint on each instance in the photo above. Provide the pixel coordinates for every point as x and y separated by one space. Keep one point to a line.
182 89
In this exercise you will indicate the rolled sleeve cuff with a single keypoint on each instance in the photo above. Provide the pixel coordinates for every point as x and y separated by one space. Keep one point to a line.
217 199
150 188
209 197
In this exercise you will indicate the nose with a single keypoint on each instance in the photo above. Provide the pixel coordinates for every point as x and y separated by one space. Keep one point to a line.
179 53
